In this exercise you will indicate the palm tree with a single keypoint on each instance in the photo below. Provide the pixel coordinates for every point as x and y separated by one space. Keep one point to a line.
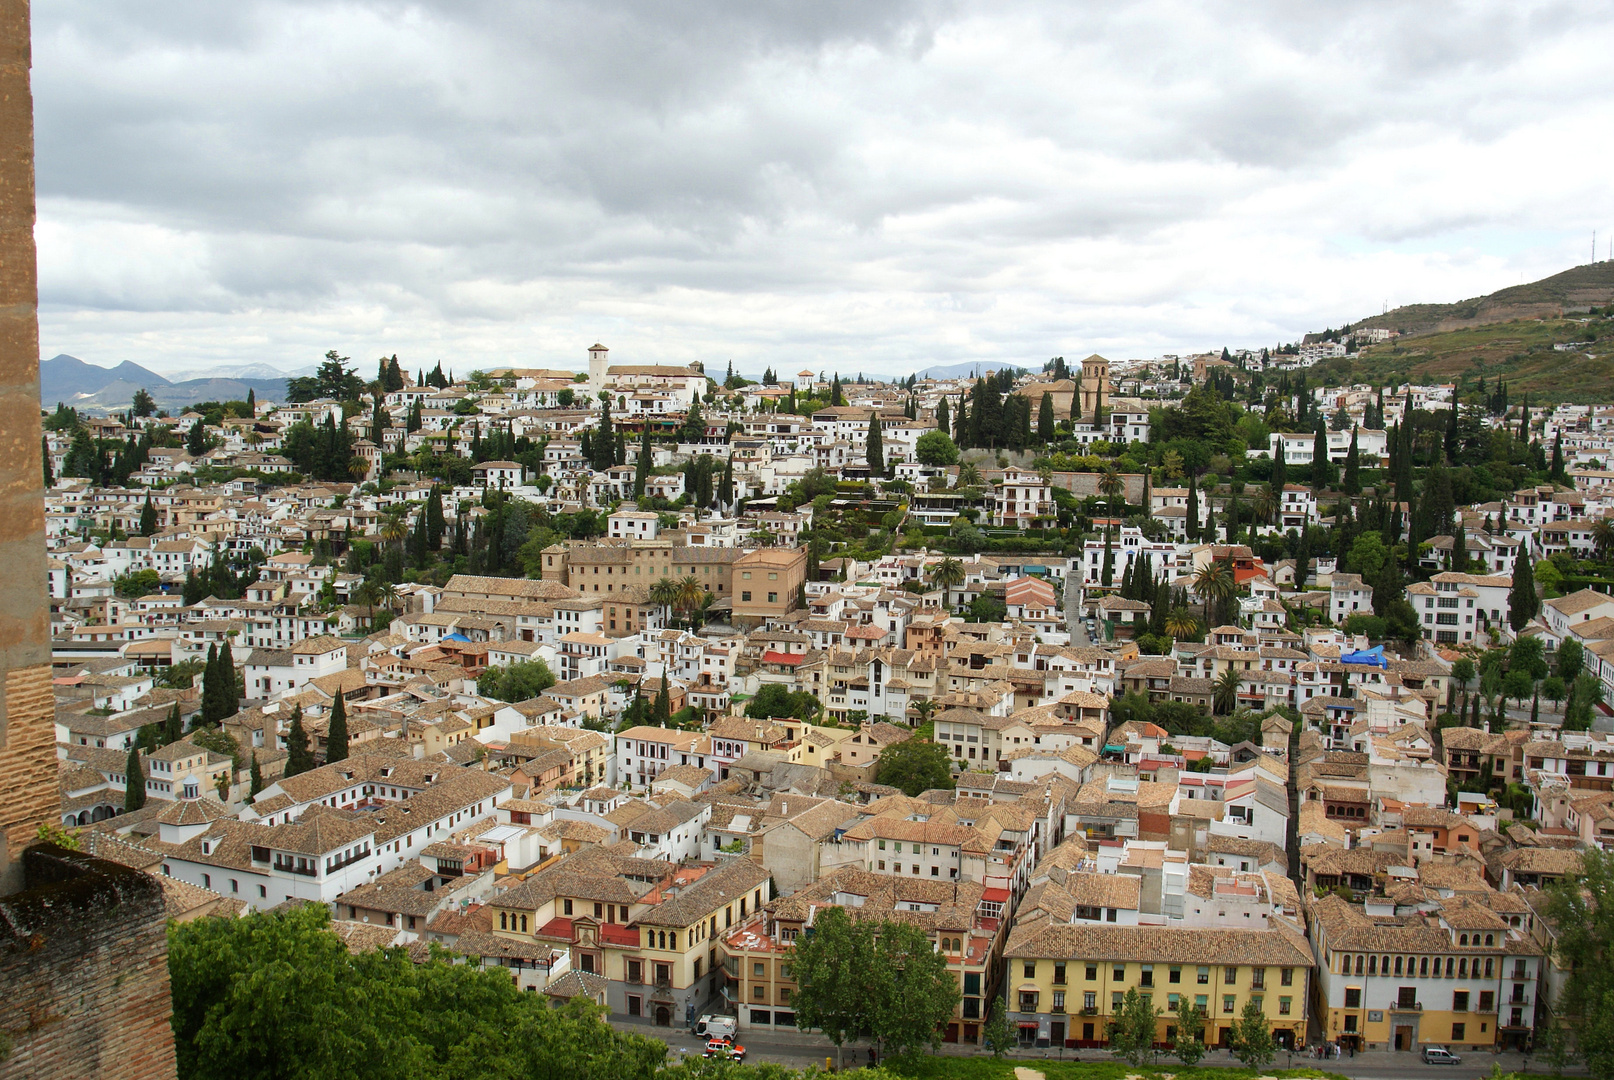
1111 484
387 593
968 476
690 595
665 592
1603 536
947 575
1266 505
1181 624
395 528
1225 694
925 708
1213 582
358 468
366 593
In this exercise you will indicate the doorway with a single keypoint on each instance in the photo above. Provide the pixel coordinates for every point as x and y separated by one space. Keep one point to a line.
1403 1038
663 1016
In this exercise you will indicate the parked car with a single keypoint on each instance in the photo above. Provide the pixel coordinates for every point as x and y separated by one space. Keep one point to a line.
724 1049
1439 1055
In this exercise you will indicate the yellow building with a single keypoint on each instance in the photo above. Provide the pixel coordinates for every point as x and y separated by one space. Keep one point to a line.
1064 982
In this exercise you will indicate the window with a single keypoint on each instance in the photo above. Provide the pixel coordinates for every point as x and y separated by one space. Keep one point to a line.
1230 975
1028 1001
773 598
1175 975
1173 1002
1487 1001
1059 973
1203 976
1287 977
1090 1001
1227 1003
1353 997
758 970
759 992
1283 1006
1115 1000
568 906
1092 972
1119 973
1459 1001
1059 1001
1146 975
1458 1031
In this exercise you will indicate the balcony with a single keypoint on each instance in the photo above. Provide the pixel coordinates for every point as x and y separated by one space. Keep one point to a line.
1407 1006
1089 1011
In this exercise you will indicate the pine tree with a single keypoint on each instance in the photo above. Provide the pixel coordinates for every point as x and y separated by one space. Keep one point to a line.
943 421
1045 419
1555 472
875 451
229 689
134 781
961 425
1322 469
196 441
298 758
252 402
336 733
435 523
725 488
254 777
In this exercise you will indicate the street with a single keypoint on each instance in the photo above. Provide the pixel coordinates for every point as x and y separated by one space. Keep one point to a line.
799 1050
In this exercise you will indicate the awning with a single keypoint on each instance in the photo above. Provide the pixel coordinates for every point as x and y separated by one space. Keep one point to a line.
1028 1025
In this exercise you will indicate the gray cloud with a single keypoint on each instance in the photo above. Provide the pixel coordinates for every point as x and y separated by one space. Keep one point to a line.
847 184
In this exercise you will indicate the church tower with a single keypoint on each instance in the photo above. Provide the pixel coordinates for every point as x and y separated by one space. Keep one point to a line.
1095 386
597 365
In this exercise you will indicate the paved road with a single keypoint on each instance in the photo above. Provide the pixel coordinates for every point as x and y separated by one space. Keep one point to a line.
799 1050
1073 623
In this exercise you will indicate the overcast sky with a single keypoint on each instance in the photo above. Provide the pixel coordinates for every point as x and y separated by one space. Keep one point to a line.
839 184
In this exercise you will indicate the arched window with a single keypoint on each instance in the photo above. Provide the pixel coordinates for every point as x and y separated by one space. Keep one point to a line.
1462 968
1359 965
1398 965
1488 968
1448 967
672 939
1463 940
1423 967
503 918
1372 965
1490 939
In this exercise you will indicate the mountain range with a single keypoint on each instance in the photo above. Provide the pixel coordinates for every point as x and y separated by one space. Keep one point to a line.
71 381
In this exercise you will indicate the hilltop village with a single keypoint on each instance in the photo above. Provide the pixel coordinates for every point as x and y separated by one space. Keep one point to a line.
1195 677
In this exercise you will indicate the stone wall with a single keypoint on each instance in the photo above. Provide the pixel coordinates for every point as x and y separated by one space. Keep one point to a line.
84 964
28 794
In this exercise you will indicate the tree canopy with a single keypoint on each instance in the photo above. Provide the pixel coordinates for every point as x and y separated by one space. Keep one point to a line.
915 765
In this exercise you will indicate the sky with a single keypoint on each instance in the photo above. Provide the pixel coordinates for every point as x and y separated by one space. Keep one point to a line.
871 186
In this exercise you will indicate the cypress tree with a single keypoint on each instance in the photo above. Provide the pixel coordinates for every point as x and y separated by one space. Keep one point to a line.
210 686
434 519
252 401
254 777
835 396
1045 419
1555 472
725 487
1353 468
134 781
641 471
1535 706
298 759
1193 509
1459 550
1107 573
961 425
1280 466
173 727
148 518
1451 434
943 421
875 451
229 689
661 706
336 734
1523 603
1322 469
44 457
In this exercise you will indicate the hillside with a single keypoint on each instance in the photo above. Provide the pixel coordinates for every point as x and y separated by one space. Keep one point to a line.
1520 351
1570 292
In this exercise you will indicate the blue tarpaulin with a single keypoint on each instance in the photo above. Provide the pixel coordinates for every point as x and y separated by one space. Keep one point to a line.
1374 656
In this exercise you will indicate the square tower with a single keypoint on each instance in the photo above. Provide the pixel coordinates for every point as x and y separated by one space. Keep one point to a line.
1095 387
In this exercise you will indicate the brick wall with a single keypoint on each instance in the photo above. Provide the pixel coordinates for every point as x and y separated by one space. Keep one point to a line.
84 964
29 796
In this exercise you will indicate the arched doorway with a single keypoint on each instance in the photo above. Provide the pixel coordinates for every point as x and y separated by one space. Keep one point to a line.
663 1016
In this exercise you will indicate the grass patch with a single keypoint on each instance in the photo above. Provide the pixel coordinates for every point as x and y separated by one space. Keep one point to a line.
942 1067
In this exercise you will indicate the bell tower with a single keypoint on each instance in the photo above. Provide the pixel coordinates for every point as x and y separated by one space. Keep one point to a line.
1095 386
598 363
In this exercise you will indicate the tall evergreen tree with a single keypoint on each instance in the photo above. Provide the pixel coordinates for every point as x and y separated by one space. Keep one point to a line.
212 687
961 425
336 733
1107 571
943 421
435 522
1353 467
1280 466
1555 472
835 395
661 706
173 726
1193 509
229 702
1523 603
641 471
1322 468
1451 434
196 441
254 777
603 443
1045 419
252 402
148 518
875 450
298 757
134 781
725 487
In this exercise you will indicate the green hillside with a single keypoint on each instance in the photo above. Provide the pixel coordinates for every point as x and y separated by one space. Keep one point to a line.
1573 290
1520 351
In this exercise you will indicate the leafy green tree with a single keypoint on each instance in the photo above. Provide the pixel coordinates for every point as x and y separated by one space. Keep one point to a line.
1581 906
299 759
137 583
336 732
277 995
998 1035
1132 1029
1190 1045
773 700
915 765
1252 1037
915 992
833 970
134 781
1463 671
1570 659
521 681
936 449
